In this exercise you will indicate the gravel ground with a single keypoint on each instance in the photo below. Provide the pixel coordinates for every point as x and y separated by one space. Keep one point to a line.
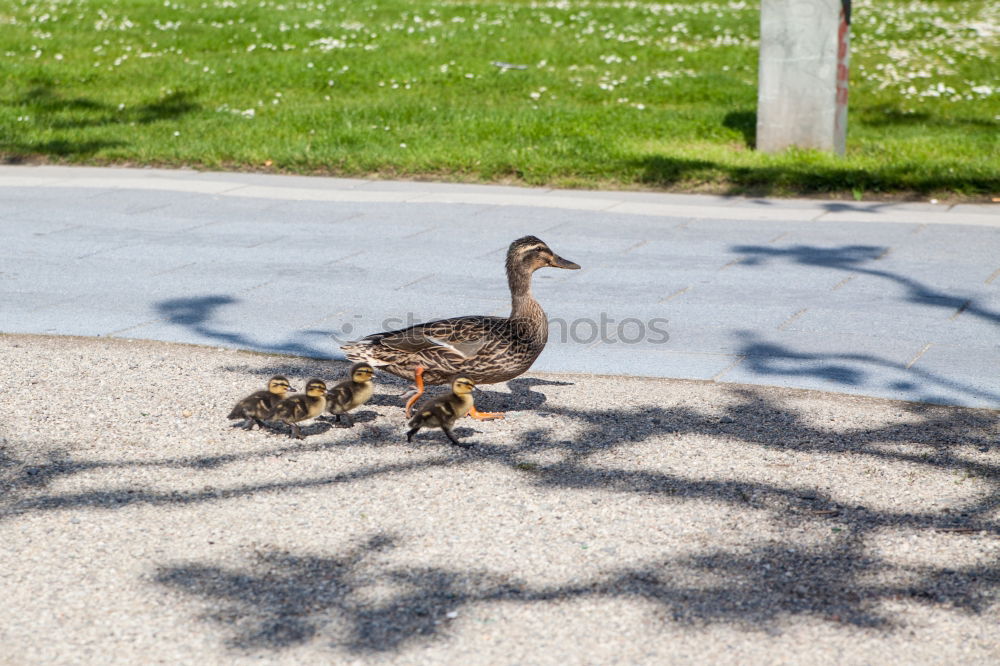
607 520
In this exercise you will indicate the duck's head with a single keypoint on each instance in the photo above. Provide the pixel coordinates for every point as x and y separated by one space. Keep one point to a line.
361 372
316 388
528 254
462 386
279 385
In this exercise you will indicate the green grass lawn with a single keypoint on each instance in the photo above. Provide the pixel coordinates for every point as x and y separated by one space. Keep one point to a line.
605 93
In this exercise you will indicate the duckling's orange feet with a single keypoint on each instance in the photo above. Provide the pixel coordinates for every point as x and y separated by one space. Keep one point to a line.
418 378
484 416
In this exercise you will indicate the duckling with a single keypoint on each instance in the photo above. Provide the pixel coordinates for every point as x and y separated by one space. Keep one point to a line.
444 411
301 407
259 405
350 393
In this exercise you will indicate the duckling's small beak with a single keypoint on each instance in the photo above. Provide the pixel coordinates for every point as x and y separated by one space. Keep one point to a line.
559 262
292 389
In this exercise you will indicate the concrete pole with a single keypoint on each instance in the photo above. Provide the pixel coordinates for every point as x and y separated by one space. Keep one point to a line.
802 88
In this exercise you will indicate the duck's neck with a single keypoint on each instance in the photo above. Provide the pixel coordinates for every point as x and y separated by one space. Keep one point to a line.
524 309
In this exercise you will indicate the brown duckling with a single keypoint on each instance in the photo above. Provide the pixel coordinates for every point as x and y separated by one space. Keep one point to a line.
350 393
298 408
259 405
444 411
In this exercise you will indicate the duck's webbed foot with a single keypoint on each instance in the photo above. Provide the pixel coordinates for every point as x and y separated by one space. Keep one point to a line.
418 378
484 416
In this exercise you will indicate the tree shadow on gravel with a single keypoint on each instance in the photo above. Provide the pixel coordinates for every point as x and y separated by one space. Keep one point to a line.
283 599
354 601
938 438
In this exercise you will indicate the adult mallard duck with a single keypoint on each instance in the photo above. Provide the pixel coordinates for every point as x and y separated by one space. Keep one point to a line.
486 350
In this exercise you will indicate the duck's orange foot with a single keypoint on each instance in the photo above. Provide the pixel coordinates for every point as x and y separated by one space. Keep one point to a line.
418 378
484 416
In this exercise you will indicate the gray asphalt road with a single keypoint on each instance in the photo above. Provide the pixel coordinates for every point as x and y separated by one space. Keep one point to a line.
899 301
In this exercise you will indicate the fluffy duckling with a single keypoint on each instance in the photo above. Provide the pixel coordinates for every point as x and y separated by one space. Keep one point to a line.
350 393
298 408
444 411
258 406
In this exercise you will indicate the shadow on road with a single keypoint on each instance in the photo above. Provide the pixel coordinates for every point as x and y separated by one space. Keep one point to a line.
850 258
197 314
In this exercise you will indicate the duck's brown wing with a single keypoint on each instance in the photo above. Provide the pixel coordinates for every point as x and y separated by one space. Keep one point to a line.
439 346
461 336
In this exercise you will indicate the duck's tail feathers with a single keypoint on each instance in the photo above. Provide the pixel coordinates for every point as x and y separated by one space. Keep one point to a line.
362 350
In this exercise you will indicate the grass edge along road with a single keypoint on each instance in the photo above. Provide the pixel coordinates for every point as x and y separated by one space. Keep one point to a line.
583 94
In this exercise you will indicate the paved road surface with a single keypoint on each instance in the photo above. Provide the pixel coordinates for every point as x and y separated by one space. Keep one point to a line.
891 300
